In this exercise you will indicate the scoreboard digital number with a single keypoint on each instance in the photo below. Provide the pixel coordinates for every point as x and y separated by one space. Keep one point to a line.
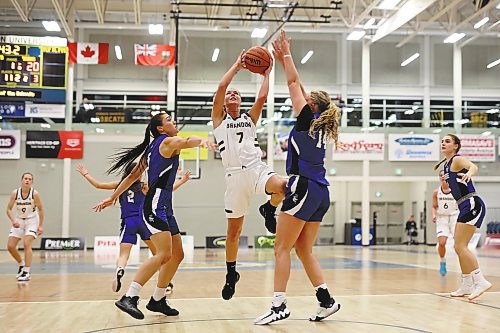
33 66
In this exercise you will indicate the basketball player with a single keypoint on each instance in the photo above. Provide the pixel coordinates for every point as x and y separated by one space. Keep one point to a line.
132 224
161 158
245 173
307 197
27 223
458 173
444 214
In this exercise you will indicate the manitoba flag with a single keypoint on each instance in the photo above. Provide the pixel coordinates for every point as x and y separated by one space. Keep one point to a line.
88 53
154 54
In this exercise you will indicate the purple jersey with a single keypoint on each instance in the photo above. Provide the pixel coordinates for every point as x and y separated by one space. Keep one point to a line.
459 189
131 201
306 154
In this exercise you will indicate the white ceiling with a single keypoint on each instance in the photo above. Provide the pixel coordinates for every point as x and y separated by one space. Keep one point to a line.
438 17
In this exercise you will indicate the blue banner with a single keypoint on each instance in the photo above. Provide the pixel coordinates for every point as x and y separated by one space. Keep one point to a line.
12 109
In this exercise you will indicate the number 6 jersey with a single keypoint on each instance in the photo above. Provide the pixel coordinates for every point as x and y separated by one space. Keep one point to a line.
447 205
237 142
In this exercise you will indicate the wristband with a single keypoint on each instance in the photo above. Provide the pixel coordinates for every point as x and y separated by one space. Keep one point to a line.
287 56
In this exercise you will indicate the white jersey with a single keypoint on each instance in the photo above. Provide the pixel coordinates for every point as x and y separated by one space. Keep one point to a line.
447 205
26 206
237 140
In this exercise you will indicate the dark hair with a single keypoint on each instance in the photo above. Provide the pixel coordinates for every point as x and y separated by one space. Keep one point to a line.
28 173
123 159
456 140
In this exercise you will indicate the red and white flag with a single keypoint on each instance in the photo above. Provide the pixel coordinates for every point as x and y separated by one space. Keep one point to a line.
154 54
88 53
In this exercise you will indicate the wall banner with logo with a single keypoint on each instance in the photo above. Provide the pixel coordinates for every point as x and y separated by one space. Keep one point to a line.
10 144
478 148
414 147
264 242
57 243
220 242
359 147
45 110
54 144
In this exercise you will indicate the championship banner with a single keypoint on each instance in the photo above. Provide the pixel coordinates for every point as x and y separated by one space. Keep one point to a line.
45 110
414 147
54 144
10 144
190 154
478 148
359 147
57 243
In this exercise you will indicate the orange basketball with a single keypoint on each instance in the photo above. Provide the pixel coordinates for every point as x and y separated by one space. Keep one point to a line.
257 60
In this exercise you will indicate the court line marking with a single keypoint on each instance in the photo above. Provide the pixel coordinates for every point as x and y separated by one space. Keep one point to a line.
240 319
423 293
464 300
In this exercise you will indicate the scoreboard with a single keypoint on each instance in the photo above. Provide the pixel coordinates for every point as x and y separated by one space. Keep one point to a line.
30 72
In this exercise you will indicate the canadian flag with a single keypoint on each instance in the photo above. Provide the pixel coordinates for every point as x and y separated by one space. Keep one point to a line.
88 53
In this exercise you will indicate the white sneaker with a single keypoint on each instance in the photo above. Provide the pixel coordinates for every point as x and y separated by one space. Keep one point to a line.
479 289
117 282
324 312
25 276
463 290
19 271
274 314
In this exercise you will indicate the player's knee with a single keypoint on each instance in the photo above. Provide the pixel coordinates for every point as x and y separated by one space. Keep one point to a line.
11 247
164 257
459 248
233 234
301 252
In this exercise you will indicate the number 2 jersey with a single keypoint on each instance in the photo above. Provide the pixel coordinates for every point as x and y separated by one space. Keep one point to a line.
237 140
131 201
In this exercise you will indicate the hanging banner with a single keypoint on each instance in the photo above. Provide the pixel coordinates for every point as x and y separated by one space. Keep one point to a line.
12 109
359 147
54 144
478 148
414 147
10 144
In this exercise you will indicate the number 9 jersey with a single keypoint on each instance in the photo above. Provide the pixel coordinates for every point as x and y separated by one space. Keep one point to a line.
25 206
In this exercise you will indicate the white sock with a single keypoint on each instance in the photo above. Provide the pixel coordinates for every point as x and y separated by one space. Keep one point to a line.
278 298
118 268
443 259
323 286
159 293
22 263
26 269
134 289
467 279
477 275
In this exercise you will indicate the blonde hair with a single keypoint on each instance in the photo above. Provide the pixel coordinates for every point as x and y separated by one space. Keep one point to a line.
456 140
329 118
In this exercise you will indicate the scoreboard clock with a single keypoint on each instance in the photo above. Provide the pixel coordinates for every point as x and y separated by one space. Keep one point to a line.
33 72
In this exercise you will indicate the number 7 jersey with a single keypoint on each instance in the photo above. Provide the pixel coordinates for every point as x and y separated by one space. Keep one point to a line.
237 141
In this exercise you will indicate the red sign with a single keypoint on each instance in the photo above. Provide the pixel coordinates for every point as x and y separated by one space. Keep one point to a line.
71 144
54 144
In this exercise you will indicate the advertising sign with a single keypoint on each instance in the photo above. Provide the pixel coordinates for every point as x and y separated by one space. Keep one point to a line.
57 243
54 144
414 147
478 148
359 147
10 144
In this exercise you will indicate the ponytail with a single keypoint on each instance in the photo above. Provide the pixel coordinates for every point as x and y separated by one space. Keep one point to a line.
123 159
440 162
329 118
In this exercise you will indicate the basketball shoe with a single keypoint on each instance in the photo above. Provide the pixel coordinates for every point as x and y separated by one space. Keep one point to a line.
117 284
130 305
161 306
230 286
276 313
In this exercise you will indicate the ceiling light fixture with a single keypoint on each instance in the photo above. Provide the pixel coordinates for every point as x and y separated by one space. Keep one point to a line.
307 57
259 32
410 59
215 55
51 26
356 35
482 22
454 38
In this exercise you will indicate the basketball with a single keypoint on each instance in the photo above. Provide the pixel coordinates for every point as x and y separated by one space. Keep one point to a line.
257 60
